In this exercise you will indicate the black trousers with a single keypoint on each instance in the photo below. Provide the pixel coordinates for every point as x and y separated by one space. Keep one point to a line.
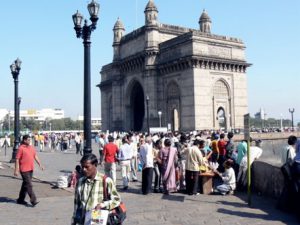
191 181
78 146
101 156
157 177
147 176
27 187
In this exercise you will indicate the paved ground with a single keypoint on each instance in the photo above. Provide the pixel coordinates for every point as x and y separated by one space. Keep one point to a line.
56 205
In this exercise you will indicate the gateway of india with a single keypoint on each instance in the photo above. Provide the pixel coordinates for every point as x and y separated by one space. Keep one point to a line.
181 78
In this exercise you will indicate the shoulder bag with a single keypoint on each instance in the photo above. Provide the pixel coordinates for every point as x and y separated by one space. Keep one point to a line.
116 215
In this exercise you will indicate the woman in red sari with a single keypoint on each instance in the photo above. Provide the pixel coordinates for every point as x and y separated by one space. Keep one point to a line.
167 159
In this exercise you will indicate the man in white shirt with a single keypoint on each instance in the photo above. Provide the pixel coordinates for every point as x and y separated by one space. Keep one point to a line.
102 142
146 157
124 157
134 160
255 153
78 141
289 152
228 178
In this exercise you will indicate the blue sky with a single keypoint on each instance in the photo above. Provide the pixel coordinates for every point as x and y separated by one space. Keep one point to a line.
41 34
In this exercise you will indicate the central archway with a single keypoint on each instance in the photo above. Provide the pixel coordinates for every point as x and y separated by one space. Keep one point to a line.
173 105
137 105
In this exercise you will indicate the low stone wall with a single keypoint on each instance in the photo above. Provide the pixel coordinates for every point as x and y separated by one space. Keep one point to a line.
267 136
267 179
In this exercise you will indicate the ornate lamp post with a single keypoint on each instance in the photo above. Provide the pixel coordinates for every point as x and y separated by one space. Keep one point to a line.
85 33
15 70
159 115
147 103
292 113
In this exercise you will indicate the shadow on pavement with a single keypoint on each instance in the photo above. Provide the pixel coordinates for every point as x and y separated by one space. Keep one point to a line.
258 202
11 176
7 200
267 216
65 171
173 198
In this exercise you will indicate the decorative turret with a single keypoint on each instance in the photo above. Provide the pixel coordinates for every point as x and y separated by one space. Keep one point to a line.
205 22
151 13
119 31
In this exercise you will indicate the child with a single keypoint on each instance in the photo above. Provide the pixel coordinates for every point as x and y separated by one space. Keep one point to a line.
228 178
75 176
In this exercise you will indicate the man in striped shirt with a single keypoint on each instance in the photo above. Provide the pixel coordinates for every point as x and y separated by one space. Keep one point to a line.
89 191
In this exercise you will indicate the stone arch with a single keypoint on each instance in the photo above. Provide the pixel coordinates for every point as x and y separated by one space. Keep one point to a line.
221 104
135 106
173 105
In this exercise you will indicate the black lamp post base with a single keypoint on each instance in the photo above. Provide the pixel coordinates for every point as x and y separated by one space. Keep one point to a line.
87 151
13 157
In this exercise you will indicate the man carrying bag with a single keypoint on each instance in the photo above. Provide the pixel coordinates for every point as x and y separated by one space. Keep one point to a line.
90 194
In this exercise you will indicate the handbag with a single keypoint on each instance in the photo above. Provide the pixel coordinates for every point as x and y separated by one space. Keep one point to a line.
116 215
286 168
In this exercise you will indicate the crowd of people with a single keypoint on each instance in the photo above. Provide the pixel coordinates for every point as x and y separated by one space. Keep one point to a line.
169 163
174 162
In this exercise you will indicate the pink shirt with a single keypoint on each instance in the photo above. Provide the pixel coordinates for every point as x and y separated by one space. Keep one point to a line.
26 155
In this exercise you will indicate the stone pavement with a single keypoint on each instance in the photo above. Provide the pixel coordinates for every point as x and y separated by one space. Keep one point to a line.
56 205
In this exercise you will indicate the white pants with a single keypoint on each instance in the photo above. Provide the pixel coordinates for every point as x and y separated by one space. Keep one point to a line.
125 172
110 170
223 189
134 163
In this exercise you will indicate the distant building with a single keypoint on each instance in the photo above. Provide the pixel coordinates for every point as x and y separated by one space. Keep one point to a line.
195 78
3 113
94 121
38 115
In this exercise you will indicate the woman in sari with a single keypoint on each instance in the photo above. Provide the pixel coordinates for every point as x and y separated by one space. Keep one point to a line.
167 160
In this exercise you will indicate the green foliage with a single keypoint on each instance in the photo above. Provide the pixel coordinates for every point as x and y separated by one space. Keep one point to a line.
270 122
36 126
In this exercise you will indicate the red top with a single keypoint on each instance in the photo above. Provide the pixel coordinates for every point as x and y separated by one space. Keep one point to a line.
109 152
222 147
26 155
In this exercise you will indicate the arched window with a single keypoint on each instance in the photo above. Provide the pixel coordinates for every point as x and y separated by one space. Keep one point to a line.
173 91
220 89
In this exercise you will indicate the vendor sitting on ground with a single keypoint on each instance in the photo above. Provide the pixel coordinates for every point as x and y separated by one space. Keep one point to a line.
228 178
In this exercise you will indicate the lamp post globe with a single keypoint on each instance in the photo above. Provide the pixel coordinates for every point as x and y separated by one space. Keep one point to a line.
159 116
15 68
85 33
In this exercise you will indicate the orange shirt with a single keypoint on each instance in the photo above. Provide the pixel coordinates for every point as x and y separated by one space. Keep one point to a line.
214 146
26 155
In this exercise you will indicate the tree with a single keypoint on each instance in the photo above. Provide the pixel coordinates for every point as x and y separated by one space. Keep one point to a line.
29 124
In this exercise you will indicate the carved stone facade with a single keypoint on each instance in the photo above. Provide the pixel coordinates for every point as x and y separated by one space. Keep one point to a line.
195 78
